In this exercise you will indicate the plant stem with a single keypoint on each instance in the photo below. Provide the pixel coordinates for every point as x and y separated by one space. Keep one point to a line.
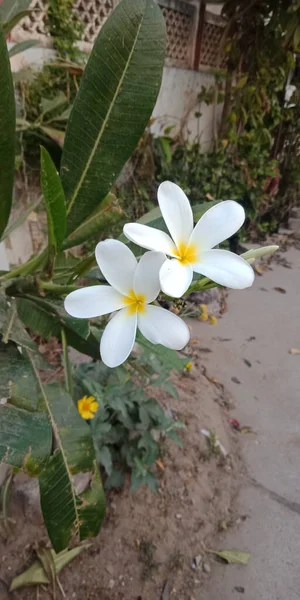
67 364
56 288
27 268
6 496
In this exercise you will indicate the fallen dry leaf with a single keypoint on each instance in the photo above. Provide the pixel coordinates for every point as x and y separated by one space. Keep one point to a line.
258 270
160 464
232 556
294 351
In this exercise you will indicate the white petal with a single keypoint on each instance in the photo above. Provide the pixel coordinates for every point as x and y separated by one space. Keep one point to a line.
218 224
175 278
117 263
176 211
146 279
93 301
160 326
225 268
150 238
118 338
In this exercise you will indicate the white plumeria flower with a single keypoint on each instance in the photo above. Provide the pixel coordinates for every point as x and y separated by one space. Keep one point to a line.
133 286
190 248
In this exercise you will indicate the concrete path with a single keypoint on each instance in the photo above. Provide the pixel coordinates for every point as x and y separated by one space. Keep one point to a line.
268 400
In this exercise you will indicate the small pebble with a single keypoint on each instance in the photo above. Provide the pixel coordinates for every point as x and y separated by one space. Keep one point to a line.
198 560
178 516
111 584
206 568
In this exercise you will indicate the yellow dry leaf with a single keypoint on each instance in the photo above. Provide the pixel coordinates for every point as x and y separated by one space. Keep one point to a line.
160 464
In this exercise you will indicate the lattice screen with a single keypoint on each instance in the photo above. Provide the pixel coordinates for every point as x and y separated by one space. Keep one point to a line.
180 17
211 38
35 23
93 13
179 34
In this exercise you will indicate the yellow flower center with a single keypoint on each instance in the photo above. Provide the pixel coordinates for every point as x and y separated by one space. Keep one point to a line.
135 302
187 254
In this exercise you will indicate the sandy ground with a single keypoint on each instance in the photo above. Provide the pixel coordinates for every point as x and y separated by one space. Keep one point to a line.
146 548
260 327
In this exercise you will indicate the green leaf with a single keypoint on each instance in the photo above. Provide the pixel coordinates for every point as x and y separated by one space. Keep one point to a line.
115 480
36 575
25 438
7 134
9 25
232 556
12 329
138 479
168 357
117 94
10 8
100 220
22 46
47 319
49 105
54 200
105 459
80 515
16 377
166 146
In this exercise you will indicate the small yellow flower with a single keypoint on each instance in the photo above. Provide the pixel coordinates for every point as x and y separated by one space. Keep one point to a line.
213 320
189 366
87 407
204 312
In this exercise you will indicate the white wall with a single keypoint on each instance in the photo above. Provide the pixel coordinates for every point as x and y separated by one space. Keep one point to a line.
177 104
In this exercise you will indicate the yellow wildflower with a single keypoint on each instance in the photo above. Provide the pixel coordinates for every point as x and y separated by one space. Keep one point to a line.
189 366
87 407
204 312
213 320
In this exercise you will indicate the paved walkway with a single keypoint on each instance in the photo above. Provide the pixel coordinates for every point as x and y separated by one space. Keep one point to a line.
267 399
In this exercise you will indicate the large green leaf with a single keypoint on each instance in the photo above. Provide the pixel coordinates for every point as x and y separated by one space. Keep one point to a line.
25 438
47 319
7 134
66 513
115 101
55 200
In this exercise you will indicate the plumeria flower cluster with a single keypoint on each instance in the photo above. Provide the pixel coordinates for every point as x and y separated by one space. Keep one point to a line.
134 286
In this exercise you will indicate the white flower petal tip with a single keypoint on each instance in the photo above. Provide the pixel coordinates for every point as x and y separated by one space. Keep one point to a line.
94 301
118 338
149 238
175 278
134 286
117 263
226 268
218 224
160 326
176 211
